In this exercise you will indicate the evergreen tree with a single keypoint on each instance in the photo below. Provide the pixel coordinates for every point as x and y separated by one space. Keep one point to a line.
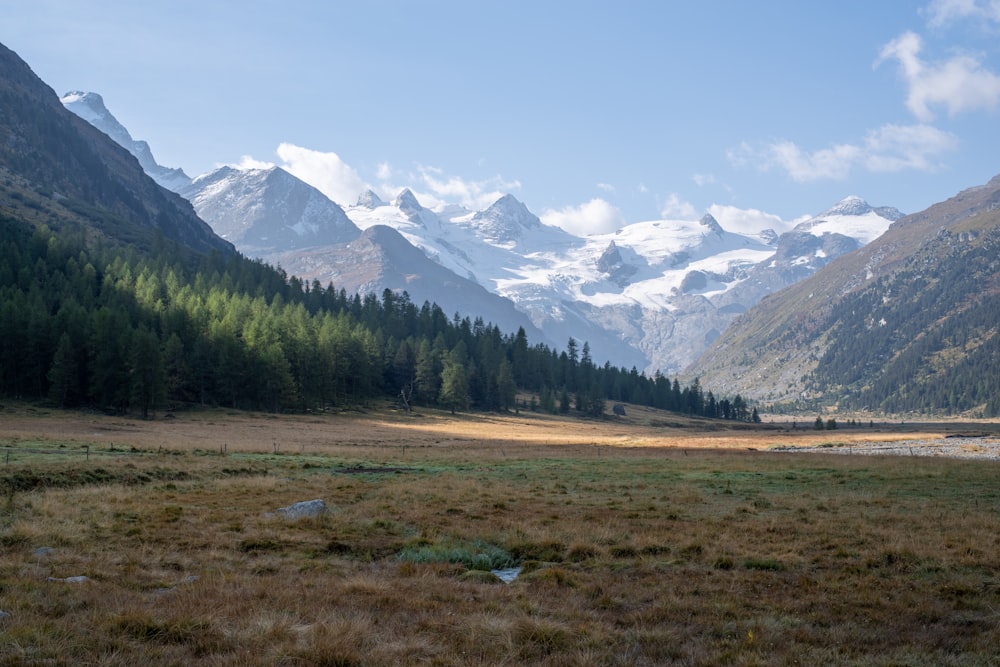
145 371
454 382
564 401
64 375
506 387
427 373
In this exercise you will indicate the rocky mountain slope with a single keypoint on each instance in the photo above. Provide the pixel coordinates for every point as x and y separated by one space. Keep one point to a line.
60 171
910 321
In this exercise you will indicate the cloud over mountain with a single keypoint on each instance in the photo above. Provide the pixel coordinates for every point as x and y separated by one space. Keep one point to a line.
324 170
596 216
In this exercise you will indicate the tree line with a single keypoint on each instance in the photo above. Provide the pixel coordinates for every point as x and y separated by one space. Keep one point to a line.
90 324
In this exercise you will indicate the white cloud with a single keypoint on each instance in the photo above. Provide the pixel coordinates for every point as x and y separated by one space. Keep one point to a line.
675 208
748 220
943 12
701 180
827 163
444 189
248 162
339 181
897 147
325 171
607 187
594 217
889 148
959 84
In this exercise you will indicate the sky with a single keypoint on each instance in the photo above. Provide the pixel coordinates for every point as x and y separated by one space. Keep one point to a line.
595 114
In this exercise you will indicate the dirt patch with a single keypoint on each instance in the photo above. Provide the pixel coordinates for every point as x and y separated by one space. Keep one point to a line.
372 470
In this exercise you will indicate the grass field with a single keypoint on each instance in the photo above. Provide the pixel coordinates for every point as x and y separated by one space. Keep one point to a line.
652 540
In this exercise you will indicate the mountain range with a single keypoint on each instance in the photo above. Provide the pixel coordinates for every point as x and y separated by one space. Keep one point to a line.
653 294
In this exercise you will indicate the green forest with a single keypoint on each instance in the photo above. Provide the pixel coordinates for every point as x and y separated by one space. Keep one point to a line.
107 327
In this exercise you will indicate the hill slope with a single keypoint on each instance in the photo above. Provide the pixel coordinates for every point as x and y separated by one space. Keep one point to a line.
909 322
57 169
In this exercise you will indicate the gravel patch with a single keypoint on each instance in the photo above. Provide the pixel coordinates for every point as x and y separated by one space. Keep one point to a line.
952 447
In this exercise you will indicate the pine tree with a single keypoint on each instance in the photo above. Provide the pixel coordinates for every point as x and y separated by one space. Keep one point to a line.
145 371
455 381
428 374
64 375
506 387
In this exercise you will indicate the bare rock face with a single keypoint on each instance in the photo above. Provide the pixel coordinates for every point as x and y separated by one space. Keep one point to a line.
614 266
306 508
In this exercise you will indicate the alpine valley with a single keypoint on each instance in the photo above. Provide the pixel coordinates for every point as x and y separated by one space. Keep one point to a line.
653 295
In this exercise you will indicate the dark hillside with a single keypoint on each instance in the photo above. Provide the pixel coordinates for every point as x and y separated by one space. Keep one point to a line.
58 170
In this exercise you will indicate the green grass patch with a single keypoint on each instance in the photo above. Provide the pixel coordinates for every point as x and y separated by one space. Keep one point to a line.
474 555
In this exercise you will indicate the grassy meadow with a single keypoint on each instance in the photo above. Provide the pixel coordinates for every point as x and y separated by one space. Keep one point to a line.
652 540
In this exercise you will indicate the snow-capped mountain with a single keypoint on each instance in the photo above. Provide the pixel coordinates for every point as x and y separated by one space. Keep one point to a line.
852 217
90 107
265 210
653 295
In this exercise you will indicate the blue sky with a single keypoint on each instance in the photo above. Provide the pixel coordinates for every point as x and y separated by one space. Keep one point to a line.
593 113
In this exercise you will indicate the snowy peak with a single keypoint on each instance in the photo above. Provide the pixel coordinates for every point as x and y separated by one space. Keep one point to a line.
268 209
854 205
505 221
852 217
509 208
711 223
368 199
407 202
91 108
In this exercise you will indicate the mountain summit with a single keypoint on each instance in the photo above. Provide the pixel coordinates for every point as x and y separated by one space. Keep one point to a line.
262 210
854 205
505 222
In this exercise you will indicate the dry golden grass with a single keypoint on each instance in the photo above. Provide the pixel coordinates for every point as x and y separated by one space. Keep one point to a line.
641 543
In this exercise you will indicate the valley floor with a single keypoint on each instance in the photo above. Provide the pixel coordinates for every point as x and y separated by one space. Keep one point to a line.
652 540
